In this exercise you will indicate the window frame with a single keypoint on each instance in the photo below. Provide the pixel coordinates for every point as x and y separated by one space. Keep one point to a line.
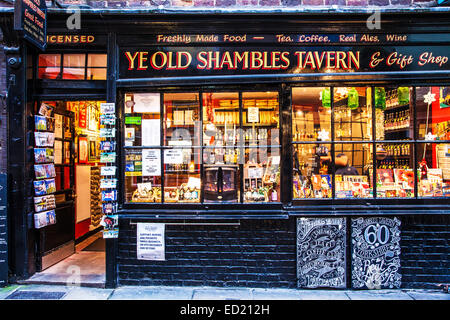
414 141
181 206
61 54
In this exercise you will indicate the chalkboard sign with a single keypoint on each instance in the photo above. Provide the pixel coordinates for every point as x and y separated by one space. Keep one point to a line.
3 232
376 253
321 244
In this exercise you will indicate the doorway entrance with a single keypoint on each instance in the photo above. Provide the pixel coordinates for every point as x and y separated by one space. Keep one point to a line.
71 249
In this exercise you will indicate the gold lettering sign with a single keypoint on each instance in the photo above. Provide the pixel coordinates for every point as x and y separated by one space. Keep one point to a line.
246 60
70 39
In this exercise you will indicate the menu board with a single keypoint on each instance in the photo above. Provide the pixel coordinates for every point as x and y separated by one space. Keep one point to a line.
321 244
376 253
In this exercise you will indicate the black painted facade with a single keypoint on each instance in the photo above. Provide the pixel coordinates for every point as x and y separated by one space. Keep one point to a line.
238 245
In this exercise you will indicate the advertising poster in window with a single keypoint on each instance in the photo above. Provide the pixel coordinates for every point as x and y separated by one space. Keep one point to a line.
150 241
58 126
151 132
82 115
82 149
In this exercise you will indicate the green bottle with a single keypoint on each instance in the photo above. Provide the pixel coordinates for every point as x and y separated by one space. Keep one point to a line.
353 99
326 98
380 98
403 95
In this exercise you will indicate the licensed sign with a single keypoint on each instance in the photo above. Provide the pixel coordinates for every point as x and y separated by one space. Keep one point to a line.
30 17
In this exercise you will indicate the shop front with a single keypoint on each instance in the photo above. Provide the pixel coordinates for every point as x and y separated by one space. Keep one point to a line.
276 151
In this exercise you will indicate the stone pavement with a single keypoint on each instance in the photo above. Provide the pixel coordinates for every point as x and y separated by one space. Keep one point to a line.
41 292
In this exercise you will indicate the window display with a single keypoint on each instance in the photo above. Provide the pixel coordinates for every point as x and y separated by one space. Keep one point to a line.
433 170
261 128
207 142
354 121
352 109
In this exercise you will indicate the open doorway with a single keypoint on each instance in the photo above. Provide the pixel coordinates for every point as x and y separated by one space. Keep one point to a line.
70 249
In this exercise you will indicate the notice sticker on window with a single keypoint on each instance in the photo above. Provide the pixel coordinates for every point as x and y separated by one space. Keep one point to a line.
253 114
151 162
147 103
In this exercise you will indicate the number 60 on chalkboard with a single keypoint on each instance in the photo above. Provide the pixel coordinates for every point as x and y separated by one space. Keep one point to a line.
376 233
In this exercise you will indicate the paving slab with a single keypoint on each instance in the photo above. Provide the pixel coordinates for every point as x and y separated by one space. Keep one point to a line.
428 295
6 291
221 294
323 295
151 293
378 295
83 293
275 294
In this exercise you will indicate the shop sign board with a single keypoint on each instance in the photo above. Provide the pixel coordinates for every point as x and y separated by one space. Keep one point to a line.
158 62
3 231
150 241
30 17
375 253
321 246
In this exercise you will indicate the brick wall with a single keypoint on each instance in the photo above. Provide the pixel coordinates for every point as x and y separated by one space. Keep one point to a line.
263 254
254 254
246 3
425 256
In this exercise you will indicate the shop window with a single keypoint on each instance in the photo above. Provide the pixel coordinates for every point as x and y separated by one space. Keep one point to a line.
182 159
72 66
311 113
433 113
221 137
96 67
394 113
395 173
353 170
49 66
143 152
353 164
433 170
312 169
218 147
261 127
352 108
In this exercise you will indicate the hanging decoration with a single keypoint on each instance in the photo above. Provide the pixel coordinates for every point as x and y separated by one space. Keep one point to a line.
428 98
353 99
325 96
323 135
403 95
380 98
